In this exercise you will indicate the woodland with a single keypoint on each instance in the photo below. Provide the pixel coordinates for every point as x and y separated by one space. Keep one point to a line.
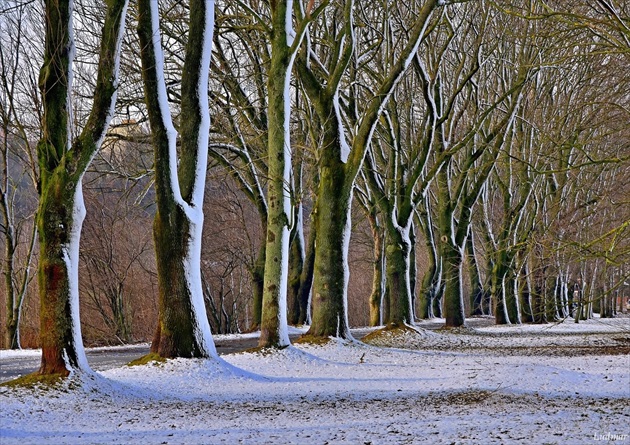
176 169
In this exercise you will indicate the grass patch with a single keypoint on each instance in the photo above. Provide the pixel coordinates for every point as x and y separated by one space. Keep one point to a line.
389 330
151 357
264 350
307 339
36 380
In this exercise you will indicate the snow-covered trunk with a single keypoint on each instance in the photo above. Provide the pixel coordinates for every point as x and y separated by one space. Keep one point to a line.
183 329
62 164
413 270
501 297
274 332
296 264
331 271
397 253
59 233
512 296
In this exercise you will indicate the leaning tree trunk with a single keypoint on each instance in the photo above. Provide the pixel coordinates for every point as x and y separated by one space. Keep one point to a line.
183 329
62 165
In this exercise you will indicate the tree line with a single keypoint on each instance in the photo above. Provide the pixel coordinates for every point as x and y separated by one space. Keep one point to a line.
488 139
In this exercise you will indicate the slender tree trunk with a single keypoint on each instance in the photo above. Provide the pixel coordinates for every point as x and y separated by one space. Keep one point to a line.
306 279
296 264
273 332
476 293
413 271
511 296
525 292
378 275
431 281
498 291
258 275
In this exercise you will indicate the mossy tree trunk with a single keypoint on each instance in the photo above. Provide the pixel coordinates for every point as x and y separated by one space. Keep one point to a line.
183 329
284 43
397 253
62 164
378 271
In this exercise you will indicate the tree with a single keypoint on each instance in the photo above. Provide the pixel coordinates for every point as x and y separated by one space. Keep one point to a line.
326 67
285 43
183 329
18 167
62 162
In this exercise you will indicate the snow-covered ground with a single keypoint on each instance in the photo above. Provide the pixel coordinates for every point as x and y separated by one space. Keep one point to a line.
553 384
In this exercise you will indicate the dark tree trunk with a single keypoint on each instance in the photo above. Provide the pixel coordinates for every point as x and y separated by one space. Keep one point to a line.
306 280
183 329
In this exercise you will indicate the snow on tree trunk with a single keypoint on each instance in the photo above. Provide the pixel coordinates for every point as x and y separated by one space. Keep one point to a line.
183 329
453 291
274 331
331 272
62 164
397 253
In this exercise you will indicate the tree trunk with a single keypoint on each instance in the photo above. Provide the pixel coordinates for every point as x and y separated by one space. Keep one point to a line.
331 273
296 264
397 252
432 277
378 275
258 275
498 290
61 210
306 280
525 294
453 292
183 329
511 296
476 292
273 332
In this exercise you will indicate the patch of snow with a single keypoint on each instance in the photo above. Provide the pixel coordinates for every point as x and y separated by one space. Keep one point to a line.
342 392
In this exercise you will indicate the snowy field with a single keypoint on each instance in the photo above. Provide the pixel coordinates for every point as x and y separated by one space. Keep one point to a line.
556 384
